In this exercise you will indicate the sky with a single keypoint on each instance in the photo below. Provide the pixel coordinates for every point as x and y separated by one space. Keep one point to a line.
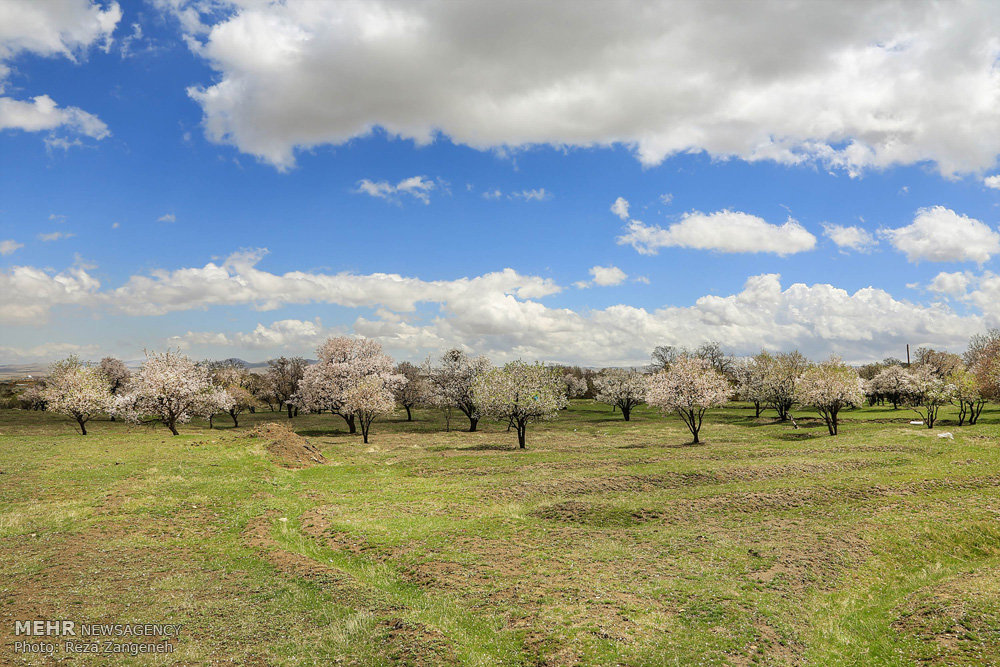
572 182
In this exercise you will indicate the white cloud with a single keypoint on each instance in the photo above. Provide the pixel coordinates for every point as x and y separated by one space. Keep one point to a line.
492 194
846 85
535 194
167 217
855 238
938 234
992 181
65 29
417 187
42 113
28 294
817 319
608 275
620 208
952 284
666 198
8 247
724 231
280 335
55 236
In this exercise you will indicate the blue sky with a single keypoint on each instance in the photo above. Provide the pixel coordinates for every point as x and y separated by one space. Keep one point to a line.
247 180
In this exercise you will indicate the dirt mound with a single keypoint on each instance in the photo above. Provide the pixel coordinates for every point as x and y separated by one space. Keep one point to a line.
288 447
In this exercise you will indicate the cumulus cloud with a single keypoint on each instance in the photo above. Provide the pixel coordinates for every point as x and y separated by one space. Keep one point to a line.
167 217
417 187
608 275
855 238
504 314
280 335
952 284
938 234
848 86
65 29
620 208
42 113
992 181
9 247
818 319
724 231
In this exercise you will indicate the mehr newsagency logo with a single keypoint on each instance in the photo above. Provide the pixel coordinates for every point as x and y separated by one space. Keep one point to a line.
62 636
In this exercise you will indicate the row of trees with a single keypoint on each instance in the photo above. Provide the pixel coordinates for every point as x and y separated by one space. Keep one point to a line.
355 380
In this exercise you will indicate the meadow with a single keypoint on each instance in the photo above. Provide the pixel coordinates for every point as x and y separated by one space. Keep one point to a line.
604 542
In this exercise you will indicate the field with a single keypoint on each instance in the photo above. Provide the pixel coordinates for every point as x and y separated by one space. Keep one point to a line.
604 542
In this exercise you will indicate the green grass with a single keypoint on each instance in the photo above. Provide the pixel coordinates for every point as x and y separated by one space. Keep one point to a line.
604 542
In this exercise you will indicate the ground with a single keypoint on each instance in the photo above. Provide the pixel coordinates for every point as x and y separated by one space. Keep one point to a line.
605 542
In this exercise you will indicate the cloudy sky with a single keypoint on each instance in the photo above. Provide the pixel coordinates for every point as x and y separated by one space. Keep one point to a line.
565 181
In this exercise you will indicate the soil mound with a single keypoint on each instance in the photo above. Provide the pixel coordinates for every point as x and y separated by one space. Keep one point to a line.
287 447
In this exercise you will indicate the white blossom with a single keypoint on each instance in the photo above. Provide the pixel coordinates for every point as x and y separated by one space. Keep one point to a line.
624 389
690 387
78 390
830 387
520 393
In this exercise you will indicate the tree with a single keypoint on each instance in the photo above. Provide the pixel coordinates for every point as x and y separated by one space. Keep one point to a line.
892 382
454 380
283 377
829 387
576 387
78 390
689 388
213 400
520 393
624 389
979 344
780 372
968 397
414 391
350 379
942 363
169 388
749 376
368 398
662 357
926 392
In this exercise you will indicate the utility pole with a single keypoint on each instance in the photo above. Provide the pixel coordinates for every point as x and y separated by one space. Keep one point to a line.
907 355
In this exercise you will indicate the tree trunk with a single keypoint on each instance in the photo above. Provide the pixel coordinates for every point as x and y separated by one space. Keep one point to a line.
290 408
409 415
236 424
521 433
694 432
626 412
351 427
172 427
473 422
83 426
756 409
211 421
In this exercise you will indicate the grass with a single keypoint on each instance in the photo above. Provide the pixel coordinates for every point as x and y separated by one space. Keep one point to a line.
604 542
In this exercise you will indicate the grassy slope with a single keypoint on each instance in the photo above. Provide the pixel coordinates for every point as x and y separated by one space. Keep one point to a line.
604 542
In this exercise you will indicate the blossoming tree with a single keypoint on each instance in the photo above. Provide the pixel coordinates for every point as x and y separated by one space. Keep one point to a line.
927 392
892 383
353 378
520 393
624 389
414 391
453 381
968 396
829 387
169 388
690 387
78 390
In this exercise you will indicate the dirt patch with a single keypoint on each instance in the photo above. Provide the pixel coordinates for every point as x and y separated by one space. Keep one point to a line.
595 514
286 447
